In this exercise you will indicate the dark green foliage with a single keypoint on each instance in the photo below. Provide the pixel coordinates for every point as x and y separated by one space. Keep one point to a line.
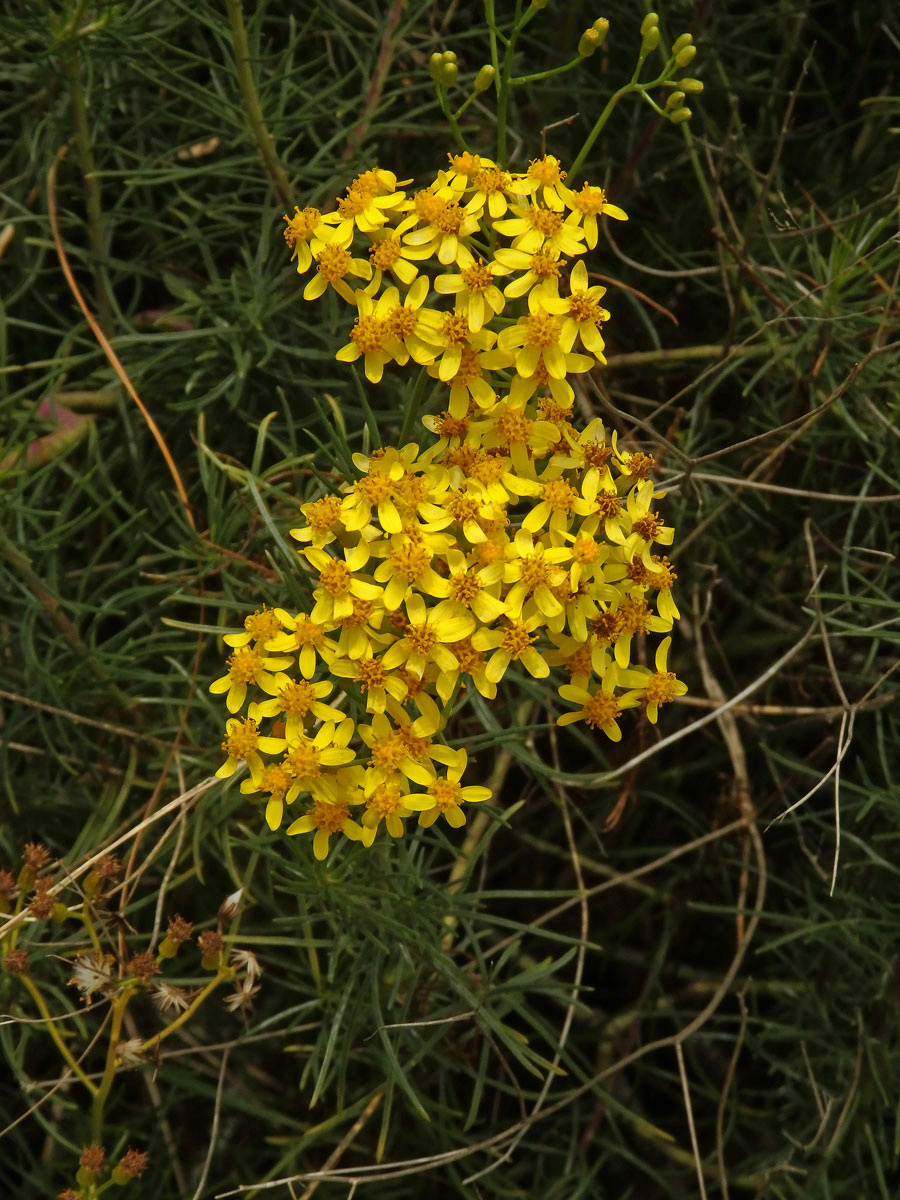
759 280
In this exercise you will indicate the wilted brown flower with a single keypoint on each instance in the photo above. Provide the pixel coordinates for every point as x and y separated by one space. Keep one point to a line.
35 855
143 966
210 943
93 1157
41 904
16 962
132 1164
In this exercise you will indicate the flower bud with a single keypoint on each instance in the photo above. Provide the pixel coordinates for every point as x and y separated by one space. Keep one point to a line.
681 114
435 64
690 85
537 5
484 78
651 40
685 57
449 74
680 42
675 100
649 22
588 43
602 27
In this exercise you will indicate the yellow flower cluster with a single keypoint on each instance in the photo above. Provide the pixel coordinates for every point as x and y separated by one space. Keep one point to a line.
514 540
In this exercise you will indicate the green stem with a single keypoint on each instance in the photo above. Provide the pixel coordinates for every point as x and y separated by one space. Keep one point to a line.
264 142
451 118
538 76
91 185
55 1034
109 1071
597 130
412 409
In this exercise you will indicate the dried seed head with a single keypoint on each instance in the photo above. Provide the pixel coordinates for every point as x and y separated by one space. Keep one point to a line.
143 966
167 997
35 855
211 946
129 1052
7 885
41 905
16 962
92 1158
93 972
131 1165
179 929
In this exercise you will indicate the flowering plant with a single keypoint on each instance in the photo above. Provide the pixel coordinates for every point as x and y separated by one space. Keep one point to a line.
514 539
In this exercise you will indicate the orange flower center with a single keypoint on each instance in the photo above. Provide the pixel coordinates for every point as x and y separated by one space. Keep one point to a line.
609 505
445 793
245 666
545 170
411 561
333 262
516 639
262 625
661 687
242 740
296 699
329 817
335 578
302 225
514 426
541 329
560 495
385 800
303 762
369 334
384 254
545 221
602 709
477 278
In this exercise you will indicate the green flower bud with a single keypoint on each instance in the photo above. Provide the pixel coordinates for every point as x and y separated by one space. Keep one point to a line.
685 57
588 43
681 114
449 74
651 40
537 5
681 42
649 22
690 85
602 27
675 100
484 78
435 63
449 56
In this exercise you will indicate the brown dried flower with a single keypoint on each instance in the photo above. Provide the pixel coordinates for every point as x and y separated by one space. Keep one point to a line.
42 902
16 962
166 996
179 929
93 1157
35 855
108 867
7 885
210 943
143 966
129 1052
132 1164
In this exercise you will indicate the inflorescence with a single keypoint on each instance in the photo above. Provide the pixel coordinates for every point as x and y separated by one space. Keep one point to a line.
514 540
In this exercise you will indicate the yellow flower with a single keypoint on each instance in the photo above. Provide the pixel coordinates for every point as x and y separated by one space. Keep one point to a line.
384 802
588 205
408 324
296 700
302 228
243 743
408 565
476 293
468 383
635 617
542 338
259 626
449 334
308 759
323 518
245 666
334 266
392 749
303 634
541 267
428 636
388 253
372 337
445 796
599 709
558 501
533 228
327 818
339 582
475 588
542 180
447 224
533 569
373 680
361 209
511 643
274 780
582 312
654 688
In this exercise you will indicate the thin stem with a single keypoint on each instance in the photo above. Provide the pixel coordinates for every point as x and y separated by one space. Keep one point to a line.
597 130
264 142
539 75
220 976
451 118
109 1070
91 184
412 409
61 1046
